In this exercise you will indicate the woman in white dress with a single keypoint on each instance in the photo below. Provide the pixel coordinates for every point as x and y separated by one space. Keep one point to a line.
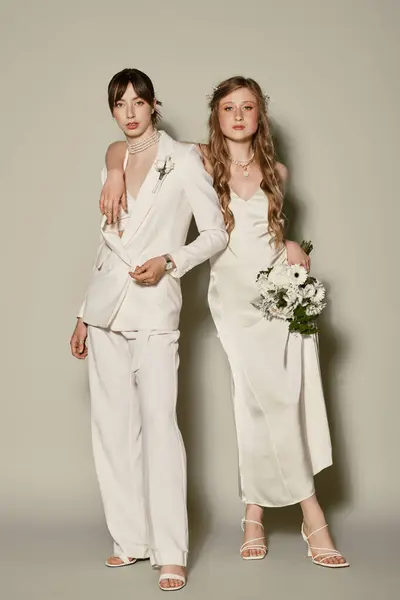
282 429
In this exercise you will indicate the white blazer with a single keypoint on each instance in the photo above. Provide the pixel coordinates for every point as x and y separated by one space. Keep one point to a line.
158 225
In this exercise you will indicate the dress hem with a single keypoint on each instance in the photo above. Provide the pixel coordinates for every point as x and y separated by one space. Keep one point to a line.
291 503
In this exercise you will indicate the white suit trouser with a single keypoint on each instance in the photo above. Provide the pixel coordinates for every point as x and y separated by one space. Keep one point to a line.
138 450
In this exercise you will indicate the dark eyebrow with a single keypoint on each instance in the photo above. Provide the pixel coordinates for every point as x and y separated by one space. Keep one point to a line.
122 100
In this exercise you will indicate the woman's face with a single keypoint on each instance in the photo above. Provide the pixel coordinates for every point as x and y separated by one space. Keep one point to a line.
238 115
133 114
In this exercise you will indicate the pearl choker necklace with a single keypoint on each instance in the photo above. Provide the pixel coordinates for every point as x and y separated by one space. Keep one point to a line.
144 144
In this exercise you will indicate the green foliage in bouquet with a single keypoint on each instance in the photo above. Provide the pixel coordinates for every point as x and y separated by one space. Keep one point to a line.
290 294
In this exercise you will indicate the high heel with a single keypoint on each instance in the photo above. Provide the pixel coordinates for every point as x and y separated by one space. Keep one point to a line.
252 546
325 554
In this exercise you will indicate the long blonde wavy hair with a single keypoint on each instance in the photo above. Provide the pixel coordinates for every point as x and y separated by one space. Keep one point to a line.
217 154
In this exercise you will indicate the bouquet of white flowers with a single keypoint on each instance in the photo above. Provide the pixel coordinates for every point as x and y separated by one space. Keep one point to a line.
289 293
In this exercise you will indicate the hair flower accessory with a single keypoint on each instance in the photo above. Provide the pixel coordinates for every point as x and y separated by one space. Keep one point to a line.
210 96
163 167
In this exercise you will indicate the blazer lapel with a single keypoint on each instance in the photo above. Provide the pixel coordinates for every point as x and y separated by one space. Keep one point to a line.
147 196
112 239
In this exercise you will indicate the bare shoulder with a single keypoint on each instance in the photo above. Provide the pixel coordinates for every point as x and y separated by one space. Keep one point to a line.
283 172
116 148
118 145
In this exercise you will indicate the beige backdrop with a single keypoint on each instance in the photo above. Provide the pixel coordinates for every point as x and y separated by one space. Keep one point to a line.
330 68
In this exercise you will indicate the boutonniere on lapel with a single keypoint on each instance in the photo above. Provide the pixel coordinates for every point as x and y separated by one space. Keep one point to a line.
163 167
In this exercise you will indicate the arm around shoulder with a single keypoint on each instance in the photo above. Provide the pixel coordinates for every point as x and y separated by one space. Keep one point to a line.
204 204
115 156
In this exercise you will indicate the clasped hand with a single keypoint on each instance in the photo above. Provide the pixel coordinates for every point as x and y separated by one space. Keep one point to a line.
150 272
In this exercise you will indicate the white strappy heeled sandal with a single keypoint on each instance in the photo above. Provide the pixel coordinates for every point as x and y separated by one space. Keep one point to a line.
125 562
172 576
325 553
251 546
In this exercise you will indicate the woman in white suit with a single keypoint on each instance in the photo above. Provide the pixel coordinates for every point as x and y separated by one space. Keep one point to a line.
281 423
131 316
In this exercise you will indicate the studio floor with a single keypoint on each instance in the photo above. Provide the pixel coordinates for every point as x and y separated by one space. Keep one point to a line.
67 564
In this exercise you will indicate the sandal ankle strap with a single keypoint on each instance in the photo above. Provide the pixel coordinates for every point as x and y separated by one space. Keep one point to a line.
244 520
316 531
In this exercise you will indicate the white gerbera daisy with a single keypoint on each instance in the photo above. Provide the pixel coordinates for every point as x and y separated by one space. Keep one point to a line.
297 274
320 292
314 309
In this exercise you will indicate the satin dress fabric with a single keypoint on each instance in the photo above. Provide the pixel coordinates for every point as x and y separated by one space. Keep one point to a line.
278 401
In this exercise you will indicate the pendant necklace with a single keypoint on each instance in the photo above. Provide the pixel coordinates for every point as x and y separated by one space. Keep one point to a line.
244 164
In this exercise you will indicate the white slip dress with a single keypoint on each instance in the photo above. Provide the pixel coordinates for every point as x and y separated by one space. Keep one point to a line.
280 414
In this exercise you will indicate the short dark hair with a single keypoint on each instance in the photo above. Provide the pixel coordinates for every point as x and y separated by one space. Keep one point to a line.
143 87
